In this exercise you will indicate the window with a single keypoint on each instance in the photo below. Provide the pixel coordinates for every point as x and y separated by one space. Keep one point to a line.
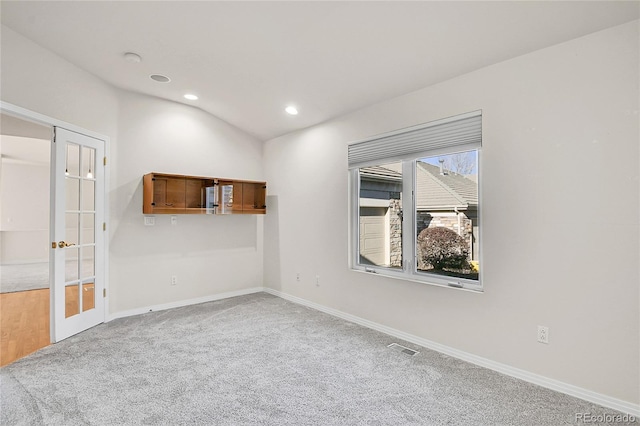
415 203
380 216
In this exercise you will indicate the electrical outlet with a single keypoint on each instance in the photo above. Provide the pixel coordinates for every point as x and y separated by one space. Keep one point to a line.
174 220
298 277
174 280
543 334
149 220
317 280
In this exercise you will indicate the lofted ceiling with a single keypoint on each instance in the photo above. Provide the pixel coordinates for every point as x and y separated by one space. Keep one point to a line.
248 60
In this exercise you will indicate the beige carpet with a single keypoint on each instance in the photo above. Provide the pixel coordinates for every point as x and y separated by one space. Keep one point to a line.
261 360
33 276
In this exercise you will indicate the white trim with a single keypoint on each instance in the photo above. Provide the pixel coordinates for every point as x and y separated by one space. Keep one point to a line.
107 224
575 391
29 115
181 303
409 235
20 112
353 210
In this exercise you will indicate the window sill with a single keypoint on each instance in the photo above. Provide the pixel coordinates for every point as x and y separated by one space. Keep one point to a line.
421 278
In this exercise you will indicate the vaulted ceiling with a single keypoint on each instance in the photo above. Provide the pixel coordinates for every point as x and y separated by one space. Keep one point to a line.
246 61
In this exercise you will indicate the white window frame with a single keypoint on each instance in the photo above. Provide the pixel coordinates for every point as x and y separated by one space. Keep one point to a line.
409 270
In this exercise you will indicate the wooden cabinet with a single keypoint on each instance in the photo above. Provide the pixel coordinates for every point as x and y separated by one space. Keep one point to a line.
254 197
178 194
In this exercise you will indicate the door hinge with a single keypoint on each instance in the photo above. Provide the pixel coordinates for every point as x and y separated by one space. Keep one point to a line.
104 292
104 226
104 161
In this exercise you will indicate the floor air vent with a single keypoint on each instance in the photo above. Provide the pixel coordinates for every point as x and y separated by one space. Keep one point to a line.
403 349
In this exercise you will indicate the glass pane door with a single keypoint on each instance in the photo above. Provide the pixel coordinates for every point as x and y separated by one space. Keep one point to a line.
80 228
78 235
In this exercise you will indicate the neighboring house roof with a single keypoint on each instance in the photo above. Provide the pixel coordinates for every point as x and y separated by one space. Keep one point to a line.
444 191
380 172
435 191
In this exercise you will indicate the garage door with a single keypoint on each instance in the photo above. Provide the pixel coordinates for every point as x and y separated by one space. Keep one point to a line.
373 236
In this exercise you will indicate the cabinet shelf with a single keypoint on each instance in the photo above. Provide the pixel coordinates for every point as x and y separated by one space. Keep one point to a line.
181 194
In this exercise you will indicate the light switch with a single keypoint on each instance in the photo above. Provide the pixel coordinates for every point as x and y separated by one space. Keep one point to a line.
174 220
149 220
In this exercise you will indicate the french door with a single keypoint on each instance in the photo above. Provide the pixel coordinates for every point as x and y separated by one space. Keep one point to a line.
77 298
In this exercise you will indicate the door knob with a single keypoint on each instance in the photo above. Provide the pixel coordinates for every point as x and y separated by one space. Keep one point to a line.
63 244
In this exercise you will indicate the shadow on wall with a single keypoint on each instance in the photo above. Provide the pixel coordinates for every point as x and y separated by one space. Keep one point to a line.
272 270
193 235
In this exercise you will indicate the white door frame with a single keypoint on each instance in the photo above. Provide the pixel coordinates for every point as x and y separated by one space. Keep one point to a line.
36 117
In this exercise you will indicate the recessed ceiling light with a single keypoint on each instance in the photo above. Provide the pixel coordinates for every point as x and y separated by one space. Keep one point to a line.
291 110
191 97
132 57
160 78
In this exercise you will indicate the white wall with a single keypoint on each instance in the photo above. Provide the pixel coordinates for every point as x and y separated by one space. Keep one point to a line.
209 254
37 79
560 205
34 78
24 200
560 215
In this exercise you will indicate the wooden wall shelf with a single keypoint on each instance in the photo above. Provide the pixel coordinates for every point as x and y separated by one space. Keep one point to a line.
180 194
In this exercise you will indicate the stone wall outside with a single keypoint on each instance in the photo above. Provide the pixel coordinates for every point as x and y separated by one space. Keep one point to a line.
395 225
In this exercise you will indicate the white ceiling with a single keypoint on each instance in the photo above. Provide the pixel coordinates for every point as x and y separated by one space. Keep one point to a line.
248 60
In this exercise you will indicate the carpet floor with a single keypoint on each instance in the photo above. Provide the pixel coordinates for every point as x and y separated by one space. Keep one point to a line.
261 360
23 277
34 276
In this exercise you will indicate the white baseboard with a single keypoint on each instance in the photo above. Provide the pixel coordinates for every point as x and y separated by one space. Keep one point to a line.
587 395
181 303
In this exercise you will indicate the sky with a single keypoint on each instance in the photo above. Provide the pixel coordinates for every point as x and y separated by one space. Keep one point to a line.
469 158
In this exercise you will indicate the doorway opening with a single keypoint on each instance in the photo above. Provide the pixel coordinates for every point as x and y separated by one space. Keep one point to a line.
25 157
53 249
